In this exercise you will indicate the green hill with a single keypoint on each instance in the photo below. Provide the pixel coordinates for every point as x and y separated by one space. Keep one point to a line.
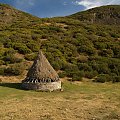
73 45
101 15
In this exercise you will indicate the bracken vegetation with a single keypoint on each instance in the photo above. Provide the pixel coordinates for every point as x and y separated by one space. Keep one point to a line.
86 44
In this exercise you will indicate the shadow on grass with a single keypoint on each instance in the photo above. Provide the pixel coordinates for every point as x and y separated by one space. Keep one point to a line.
12 85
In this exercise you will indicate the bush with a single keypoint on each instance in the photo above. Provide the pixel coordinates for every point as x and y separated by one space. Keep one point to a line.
33 46
114 35
82 58
56 66
103 34
107 53
84 66
102 78
2 62
62 74
9 51
9 57
12 59
91 74
116 79
30 57
100 45
23 49
16 69
70 67
90 50
76 78
8 44
103 68
2 71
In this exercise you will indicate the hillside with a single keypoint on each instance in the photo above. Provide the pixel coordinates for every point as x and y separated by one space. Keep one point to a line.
101 15
76 48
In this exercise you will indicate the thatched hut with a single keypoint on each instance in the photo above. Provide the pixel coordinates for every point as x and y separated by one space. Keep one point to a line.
42 76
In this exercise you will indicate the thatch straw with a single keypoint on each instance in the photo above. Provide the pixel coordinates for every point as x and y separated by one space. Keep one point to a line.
41 71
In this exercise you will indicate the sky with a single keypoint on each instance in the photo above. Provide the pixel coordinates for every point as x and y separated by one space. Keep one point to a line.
54 8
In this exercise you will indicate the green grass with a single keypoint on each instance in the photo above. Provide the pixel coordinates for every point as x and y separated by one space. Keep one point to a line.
8 89
77 101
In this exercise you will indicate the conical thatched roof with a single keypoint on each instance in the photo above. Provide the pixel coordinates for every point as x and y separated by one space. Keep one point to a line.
41 71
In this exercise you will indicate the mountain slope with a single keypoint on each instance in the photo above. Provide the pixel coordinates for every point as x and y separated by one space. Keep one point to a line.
9 14
74 47
100 15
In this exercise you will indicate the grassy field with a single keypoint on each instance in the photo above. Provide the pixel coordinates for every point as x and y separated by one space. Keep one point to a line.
78 101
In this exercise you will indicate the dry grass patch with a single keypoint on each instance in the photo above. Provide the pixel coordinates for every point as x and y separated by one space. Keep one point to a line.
85 101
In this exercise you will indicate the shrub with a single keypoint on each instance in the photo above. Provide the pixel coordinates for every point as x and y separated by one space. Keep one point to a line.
35 36
33 46
56 65
90 50
114 35
116 50
103 34
2 62
82 58
23 49
16 69
2 71
103 69
76 78
103 78
8 44
9 56
114 66
91 74
62 74
70 67
9 51
77 75
84 66
107 53
116 79
30 57
57 29
100 45
12 59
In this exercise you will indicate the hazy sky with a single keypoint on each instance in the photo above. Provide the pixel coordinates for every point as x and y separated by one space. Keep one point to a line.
52 8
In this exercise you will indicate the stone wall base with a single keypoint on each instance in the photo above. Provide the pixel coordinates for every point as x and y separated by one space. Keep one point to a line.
42 86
